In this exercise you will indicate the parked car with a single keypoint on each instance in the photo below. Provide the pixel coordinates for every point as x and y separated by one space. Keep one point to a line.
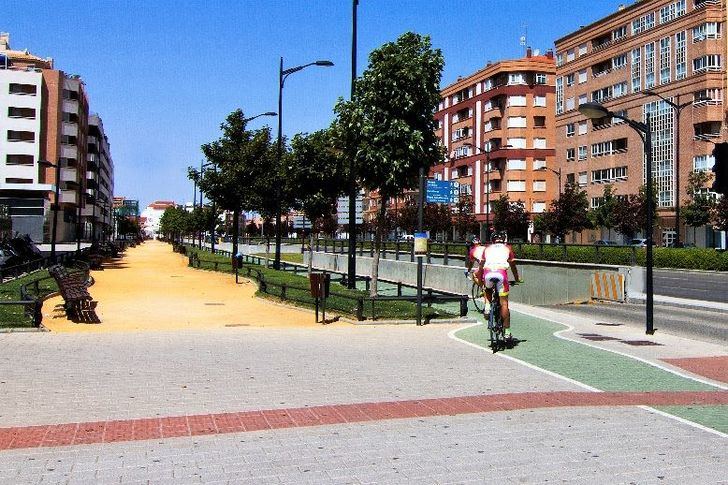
640 242
407 237
605 242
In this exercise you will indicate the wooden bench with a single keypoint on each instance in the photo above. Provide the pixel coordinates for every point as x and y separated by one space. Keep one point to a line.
73 288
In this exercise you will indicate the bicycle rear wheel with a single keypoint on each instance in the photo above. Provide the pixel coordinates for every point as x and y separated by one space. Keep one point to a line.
476 294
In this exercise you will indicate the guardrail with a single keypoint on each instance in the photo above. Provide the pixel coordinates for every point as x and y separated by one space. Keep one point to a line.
362 307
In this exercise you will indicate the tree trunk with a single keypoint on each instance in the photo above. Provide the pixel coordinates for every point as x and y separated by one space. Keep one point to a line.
236 230
377 247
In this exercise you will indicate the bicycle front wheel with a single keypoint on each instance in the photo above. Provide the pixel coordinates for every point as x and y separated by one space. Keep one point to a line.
476 293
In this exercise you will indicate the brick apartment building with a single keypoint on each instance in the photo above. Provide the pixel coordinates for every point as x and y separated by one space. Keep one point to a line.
503 114
626 61
44 114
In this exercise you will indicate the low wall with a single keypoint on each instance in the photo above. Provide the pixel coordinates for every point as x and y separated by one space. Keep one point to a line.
545 282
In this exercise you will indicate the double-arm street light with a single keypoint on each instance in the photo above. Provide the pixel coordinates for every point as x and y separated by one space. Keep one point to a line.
597 111
351 257
282 76
677 107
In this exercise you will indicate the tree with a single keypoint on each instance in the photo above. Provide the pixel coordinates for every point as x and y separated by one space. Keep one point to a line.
388 127
438 217
568 212
242 178
465 222
126 226
630 214
316 176
719 214
511 217
175 222
697 212
603 216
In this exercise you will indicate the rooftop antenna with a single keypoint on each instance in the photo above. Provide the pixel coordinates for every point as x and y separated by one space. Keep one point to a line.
524 37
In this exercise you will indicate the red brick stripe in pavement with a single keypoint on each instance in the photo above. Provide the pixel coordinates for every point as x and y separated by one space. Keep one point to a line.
711 367
176 426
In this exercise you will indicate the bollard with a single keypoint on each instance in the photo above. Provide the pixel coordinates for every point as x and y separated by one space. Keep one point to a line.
360 309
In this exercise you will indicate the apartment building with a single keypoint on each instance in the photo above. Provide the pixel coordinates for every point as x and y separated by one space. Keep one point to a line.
44 114
497 128
665 58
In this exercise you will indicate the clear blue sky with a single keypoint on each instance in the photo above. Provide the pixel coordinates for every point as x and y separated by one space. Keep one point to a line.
164 74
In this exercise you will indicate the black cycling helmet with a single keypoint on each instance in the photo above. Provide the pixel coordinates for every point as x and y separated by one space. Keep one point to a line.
499 236
475 240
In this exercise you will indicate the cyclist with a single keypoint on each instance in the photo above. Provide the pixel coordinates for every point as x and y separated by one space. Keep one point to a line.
475 250
497 258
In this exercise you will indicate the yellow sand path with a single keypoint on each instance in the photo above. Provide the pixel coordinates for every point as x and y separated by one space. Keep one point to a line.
152 288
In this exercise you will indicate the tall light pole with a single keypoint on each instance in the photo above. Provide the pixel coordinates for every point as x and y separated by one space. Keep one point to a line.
282 76
56 203
557 172
597 111
677 107
487 183
351 260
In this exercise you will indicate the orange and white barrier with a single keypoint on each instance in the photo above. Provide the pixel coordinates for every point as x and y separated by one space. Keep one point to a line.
607 286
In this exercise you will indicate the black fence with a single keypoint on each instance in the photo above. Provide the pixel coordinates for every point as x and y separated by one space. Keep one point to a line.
362 307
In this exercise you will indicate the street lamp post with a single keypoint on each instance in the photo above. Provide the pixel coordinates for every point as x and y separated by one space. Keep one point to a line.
56 203
351 259
557 172
487 183
677 108
282 76
596 111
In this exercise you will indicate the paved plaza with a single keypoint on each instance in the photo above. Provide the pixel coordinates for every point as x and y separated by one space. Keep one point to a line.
247 391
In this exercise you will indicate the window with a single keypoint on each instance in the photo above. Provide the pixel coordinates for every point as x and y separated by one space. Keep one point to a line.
516 101
569 104
559 95
516 164
636 70
643 23
488 84
539 186
570 55
570 79
582 152
570 178
559 59
619 33
461 133
73 118
516 122
582 49
19 160
539 121
517 142
703 163
539 163
27 136
539 101
649 66
672 11
608 175
462 95
539 207
461 151
70 95
539 143
582 99
69 140
708 30
680 55
14 180
582 127
665 60
516 186
28 113
570 154
619 62
583 179
516 78
706 63
540 78
23 89
609 147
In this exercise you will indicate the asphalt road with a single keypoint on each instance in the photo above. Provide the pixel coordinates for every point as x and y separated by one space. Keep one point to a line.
694 285
707 325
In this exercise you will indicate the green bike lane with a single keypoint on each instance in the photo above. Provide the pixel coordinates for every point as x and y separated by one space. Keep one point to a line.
598 369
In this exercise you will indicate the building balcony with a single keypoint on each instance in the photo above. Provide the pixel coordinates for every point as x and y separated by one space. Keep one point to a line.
69 151
68 175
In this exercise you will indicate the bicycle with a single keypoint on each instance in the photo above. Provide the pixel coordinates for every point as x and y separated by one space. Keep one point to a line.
476 294
495 319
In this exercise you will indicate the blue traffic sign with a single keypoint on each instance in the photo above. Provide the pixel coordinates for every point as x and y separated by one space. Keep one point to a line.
442 191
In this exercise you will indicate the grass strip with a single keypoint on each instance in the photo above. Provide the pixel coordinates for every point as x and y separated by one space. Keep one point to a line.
341 300
13 316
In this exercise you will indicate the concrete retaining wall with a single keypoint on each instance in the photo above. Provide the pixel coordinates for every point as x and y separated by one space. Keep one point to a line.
545 283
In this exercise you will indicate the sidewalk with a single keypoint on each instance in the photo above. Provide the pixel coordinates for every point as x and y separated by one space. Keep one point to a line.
246 391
